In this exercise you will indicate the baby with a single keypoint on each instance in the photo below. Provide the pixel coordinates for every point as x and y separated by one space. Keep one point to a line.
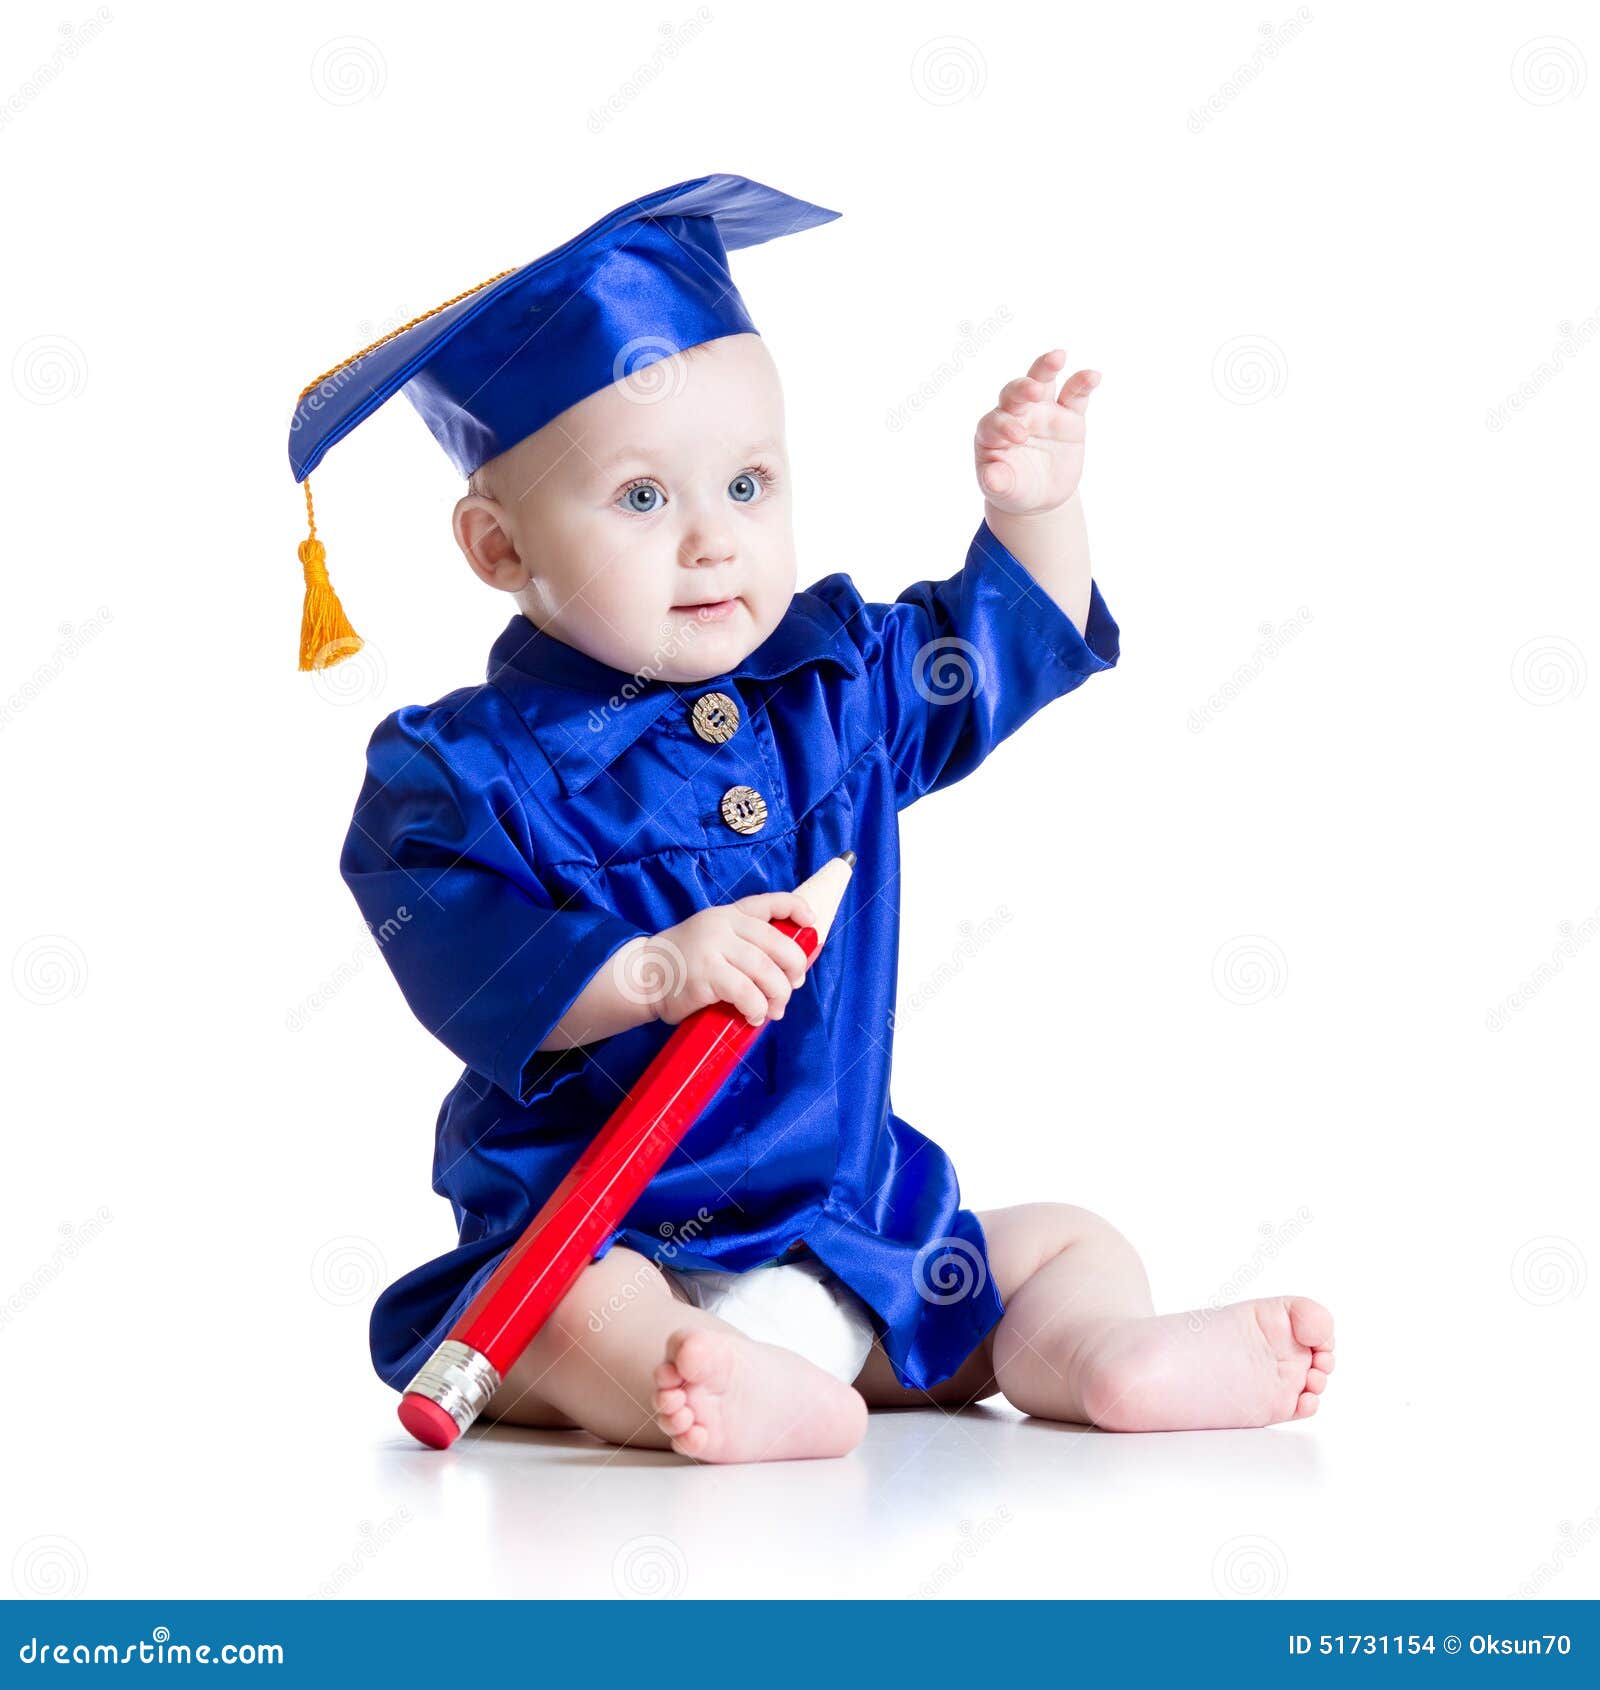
567 860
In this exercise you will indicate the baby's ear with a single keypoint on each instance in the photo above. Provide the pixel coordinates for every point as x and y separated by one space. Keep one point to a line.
486 543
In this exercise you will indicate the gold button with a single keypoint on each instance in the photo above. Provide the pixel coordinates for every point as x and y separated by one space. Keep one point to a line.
716 718
744 809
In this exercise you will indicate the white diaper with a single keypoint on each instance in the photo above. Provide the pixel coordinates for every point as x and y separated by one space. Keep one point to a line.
799 1304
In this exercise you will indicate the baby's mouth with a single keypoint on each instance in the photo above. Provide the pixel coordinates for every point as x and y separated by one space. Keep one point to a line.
707 611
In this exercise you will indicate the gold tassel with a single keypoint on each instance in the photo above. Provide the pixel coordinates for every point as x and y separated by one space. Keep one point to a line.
326 636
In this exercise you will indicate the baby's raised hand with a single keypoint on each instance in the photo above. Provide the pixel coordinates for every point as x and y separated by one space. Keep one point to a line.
1029 449
731 953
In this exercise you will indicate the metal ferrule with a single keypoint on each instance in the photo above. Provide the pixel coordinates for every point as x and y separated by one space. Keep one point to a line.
457 1378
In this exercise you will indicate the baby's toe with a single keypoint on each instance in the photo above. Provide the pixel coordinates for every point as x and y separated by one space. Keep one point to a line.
1322 1360
693 1441
666 1375
1306 1406
703 1358
1310 1323
671 1400
1316 1380
677 1421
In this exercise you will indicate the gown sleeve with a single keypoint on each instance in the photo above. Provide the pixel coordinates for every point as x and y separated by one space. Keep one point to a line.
441 861
958 665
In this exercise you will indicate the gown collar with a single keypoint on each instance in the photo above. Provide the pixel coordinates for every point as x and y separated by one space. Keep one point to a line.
585 714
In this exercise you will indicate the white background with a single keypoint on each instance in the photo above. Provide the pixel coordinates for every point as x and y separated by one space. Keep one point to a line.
1253 900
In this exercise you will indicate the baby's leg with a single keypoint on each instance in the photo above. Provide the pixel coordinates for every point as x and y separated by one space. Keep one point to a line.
1021 1241
1079 1339
624 1358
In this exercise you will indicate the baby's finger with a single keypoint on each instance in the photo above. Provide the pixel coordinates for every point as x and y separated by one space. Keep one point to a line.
772 981
780 947
777 906
997 478
1016 396
734 987
1075 390
1000 428
1045 367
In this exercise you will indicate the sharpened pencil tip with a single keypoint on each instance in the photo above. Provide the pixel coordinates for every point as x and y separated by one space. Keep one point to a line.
848 858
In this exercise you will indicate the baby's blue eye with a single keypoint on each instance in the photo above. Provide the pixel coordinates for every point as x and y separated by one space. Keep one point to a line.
643 498
744 487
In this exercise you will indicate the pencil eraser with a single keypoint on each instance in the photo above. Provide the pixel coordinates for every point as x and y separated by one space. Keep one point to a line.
427 1422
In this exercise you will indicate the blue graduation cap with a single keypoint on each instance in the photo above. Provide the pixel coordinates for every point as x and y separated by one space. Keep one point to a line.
489 367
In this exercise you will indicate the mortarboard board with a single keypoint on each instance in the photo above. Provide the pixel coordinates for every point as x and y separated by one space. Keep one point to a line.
492 365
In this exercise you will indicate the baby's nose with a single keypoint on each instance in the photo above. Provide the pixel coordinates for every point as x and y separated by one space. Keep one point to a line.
708 545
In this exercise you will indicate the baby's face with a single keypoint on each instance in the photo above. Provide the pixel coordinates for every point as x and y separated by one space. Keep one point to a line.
649 525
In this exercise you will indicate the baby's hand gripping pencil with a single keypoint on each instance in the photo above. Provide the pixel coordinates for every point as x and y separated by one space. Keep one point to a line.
460 1377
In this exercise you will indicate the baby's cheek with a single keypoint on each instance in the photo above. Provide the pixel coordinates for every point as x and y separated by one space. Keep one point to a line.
774 588
628 611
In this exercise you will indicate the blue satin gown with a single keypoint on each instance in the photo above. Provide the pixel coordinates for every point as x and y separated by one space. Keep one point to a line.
511 836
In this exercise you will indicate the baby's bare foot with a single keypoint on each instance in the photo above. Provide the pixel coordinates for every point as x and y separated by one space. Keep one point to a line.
1249 1364
723 1397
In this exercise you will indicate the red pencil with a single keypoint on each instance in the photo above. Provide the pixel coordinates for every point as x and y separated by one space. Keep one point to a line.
451 1389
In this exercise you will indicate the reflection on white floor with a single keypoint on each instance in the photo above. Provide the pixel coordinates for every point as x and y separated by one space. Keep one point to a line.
1370 1498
